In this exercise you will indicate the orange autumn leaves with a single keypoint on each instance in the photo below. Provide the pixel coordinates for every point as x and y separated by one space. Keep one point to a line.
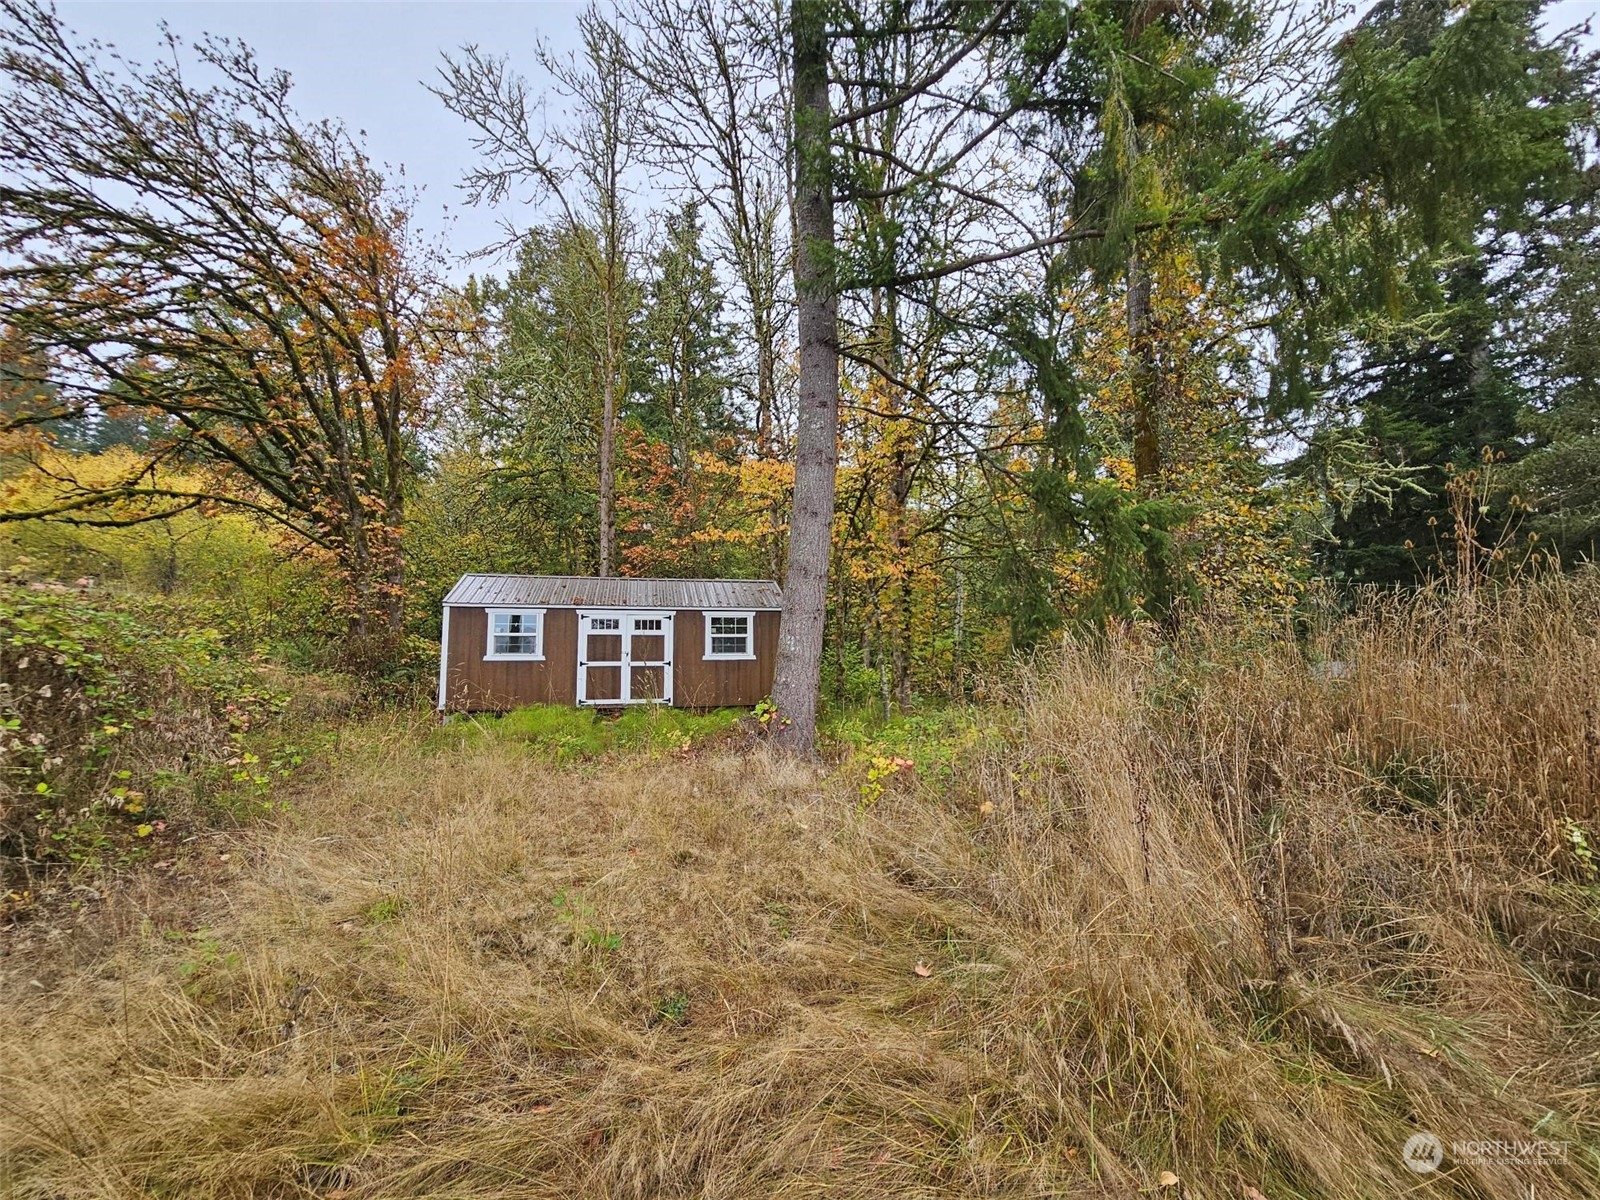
707 512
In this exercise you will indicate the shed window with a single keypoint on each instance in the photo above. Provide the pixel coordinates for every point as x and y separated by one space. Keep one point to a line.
728 635
516 633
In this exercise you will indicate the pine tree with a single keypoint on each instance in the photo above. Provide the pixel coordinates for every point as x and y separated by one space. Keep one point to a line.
1557 341
683 384
534 402
1439 404
1446 146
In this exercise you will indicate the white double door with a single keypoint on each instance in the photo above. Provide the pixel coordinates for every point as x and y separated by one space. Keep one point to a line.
624 657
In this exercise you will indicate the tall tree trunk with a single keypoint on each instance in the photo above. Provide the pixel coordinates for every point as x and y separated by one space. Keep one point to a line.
608 479
1160 580
799 670
958 636
614 281
766 387
612 383
884 691
902 629
1141 347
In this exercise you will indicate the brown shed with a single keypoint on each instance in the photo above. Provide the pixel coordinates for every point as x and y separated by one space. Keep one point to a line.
510 640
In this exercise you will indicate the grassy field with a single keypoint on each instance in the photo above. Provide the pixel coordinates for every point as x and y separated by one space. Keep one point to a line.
1227 921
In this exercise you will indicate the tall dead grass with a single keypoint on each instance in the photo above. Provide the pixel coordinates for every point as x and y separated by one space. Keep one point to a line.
1212 912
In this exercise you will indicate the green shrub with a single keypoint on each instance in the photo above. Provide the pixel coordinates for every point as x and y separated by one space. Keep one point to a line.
104 703
931 740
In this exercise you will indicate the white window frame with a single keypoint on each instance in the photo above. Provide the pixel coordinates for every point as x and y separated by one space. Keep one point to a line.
750 634
537 614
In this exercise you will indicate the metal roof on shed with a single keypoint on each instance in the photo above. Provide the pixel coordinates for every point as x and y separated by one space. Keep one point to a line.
575 591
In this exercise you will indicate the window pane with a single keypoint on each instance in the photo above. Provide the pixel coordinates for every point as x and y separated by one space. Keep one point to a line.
520 643
728 634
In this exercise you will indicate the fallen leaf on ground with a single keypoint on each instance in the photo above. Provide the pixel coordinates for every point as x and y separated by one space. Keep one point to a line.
1167 1179
543 1108
923 970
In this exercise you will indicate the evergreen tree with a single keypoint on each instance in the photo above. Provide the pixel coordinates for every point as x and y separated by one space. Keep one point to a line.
1557 337
533 403
683 389
1146 137
1450 137
1439 405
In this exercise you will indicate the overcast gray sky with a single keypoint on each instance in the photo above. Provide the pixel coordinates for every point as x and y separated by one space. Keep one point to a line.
366 63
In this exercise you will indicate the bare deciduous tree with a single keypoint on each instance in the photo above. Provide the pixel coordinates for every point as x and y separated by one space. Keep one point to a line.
716 121
582 166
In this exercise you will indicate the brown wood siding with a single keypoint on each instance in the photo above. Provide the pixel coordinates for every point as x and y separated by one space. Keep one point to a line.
474 685
720 683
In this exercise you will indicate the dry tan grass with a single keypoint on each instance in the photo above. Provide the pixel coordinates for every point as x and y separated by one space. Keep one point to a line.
1227 918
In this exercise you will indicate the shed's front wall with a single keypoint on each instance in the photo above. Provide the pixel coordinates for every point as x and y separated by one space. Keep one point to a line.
699 682
475 685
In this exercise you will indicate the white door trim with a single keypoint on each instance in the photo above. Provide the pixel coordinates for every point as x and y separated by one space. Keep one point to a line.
625 618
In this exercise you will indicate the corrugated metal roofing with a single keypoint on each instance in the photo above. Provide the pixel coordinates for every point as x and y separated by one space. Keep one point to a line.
582 591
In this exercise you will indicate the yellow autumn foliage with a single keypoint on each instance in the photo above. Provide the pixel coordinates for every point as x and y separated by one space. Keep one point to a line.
1242 544
245 574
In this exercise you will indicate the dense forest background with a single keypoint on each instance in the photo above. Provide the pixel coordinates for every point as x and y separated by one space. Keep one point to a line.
1147 314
